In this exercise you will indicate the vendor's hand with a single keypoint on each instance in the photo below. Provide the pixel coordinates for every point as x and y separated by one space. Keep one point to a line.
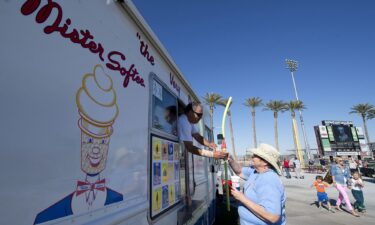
212 146
220 155
238 195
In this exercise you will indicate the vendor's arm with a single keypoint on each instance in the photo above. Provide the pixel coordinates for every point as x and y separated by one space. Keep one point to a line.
201 152
203 141
186 133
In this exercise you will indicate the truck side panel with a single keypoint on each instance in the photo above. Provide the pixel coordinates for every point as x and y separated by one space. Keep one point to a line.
74 89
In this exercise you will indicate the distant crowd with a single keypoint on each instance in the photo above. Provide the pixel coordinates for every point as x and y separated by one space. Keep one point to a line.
343 175
292 165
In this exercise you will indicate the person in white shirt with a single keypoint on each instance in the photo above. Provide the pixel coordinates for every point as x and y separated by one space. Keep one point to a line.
357 186
187 131
297 168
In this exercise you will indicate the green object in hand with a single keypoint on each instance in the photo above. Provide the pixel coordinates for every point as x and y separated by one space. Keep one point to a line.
227 184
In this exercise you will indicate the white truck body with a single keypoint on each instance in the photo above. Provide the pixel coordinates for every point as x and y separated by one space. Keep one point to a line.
80 86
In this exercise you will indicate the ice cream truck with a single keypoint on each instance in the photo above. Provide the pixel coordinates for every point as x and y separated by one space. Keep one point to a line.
89 102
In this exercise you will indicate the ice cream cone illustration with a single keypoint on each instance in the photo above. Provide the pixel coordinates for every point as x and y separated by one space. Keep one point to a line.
98 110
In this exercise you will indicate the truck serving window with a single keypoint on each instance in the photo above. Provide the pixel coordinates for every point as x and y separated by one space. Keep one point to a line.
164 109
165 185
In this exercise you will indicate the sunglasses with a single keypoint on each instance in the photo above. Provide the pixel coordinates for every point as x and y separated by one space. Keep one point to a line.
197 114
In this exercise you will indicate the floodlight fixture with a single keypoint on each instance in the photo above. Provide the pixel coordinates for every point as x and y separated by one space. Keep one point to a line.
292 65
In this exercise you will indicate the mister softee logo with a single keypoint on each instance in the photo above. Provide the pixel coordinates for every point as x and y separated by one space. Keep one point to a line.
114 59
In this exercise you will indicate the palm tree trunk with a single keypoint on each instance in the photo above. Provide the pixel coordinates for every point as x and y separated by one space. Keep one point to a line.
212 122
366 132
294 136
254 130
276 131
232 135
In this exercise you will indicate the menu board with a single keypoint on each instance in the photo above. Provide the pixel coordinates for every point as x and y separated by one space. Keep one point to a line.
165 180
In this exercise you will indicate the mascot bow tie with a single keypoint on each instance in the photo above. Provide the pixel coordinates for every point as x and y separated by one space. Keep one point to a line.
83 186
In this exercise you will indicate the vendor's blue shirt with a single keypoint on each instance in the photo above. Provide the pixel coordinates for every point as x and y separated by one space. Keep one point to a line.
264 189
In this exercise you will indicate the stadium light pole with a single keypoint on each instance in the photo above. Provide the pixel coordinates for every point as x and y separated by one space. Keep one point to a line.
292 66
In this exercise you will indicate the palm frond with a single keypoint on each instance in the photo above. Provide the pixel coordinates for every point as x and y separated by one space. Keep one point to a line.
253 102
361 109
371 114
211 99
275 106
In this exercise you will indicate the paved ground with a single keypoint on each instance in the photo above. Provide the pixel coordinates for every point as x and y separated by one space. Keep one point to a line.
300 209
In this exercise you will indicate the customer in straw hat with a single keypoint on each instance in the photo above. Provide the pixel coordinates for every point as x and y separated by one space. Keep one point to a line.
263 197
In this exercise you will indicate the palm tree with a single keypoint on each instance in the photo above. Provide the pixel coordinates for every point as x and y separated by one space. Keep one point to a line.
253 103
365 110
211 99
223 102
292 106
276 107
371 114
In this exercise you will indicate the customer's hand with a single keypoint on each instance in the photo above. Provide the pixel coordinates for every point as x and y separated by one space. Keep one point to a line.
220 155
237 194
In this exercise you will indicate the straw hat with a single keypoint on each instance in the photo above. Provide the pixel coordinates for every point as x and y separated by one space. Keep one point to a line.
270 154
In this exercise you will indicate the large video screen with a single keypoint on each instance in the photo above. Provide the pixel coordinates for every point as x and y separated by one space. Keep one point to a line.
342 133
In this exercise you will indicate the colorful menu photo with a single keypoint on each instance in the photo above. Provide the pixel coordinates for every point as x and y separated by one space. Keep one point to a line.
165 201
170 151
170 171
164 147
156 148
171 194
165 172
157 173
157 199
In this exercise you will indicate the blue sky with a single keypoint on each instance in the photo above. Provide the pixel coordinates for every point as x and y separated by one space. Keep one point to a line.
237 48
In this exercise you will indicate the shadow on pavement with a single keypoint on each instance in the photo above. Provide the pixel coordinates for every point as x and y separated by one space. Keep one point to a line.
331 201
